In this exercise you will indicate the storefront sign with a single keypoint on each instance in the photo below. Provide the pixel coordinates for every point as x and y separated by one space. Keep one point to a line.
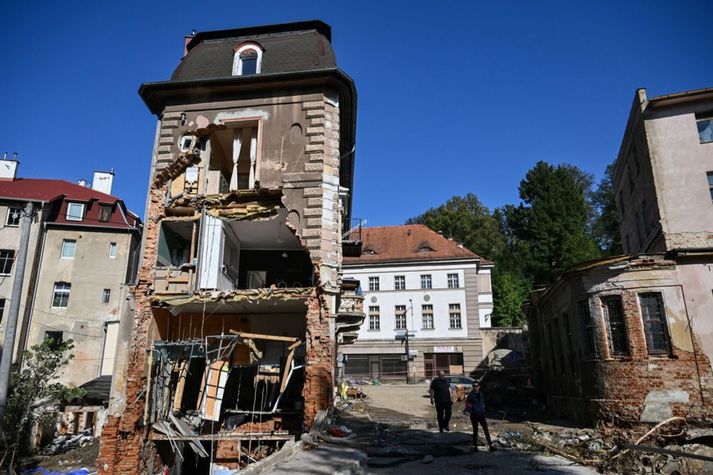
445 349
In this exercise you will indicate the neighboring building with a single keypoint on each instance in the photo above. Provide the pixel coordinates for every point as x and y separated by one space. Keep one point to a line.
237 317
81 257
630 339
417 280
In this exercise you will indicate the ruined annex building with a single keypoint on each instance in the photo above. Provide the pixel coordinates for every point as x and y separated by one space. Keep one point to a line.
629 339
232 346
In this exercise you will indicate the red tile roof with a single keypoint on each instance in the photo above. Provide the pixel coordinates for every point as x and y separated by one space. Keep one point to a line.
59 192
410 242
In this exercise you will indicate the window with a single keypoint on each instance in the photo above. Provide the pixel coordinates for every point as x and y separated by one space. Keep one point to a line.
705 129
425 249
454 314
60 296
427 315
374 318
400 282
589 329
710 184
54 336
13 217
106 295
75 211
400 311
453 281
425 281
614 314
247 60
104 213
373 283
112 250
7 256
69 248
2 309
655 326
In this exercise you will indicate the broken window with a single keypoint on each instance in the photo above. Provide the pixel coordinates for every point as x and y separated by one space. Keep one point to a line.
13 217
374 283
454 315
705 129
233 157
400 313
588 327
55 337
655 325
60 295
7 257
75 211
427 316
374 318
425 281
614 314
400 282
104 213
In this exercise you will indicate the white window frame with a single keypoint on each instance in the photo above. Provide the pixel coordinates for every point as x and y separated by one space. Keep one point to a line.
374 284
63 290
238 63
454 316
374 318
427 311
74 249
112 250
453 280
400 317
72 217
10 259
399 282
426 281
9 215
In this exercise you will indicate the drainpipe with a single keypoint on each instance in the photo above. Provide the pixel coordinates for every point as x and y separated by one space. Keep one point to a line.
16 296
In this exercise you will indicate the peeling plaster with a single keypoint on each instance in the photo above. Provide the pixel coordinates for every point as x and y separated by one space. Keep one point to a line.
241 114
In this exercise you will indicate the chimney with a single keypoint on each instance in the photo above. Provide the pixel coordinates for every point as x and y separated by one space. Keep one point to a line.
102 181
187 39
83 182
8 167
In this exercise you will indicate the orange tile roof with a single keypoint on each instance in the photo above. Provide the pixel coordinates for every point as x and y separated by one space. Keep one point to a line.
407 243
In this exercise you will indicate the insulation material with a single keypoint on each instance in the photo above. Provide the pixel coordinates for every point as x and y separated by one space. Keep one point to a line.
213 389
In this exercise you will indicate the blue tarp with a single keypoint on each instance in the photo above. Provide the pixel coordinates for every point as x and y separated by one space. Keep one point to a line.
44 471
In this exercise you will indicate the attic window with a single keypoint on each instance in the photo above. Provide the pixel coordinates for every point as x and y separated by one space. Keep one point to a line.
247 60
425 249
368 252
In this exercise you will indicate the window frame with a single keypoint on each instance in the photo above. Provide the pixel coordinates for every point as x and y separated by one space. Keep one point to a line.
427 322
454 312
2 309
374 283
625 352
588 327
112 250
453 279
699 120
106 296
426 282
71 217
49 336
62 247
58 293
400 317
238 61
399 282
9 215
663 321
374 318
105 211
4 260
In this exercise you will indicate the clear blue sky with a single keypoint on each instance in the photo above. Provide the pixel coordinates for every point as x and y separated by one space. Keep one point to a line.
454 97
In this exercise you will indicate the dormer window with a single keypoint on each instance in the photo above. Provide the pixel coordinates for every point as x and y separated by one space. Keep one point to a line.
425 249
247 60
75 211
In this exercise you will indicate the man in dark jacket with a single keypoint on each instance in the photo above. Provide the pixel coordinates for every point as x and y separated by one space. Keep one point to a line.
475 406
440 392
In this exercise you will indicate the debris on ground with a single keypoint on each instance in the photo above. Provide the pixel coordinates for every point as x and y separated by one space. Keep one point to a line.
66 442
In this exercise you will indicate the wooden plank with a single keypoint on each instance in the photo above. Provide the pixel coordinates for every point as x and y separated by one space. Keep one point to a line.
214 388
288 365
265 337
186 431
180 385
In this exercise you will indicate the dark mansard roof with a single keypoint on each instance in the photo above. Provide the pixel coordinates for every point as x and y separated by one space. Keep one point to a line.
290 47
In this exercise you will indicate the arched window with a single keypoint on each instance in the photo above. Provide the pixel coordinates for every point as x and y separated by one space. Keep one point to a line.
247 60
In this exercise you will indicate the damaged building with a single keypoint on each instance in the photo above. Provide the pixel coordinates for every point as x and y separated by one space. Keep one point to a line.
232 348
629 339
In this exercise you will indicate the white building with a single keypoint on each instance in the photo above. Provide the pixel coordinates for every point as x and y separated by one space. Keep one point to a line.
416 280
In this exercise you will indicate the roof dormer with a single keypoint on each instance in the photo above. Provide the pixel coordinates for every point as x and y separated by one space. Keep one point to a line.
247 59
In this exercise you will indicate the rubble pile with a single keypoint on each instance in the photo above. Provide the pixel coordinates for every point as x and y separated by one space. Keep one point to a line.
66 442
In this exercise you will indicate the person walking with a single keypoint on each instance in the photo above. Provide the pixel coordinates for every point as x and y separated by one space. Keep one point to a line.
475 406
440 392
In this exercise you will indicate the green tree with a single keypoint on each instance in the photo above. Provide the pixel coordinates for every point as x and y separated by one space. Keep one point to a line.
468 221
606 224
29 389
510 290
550 230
